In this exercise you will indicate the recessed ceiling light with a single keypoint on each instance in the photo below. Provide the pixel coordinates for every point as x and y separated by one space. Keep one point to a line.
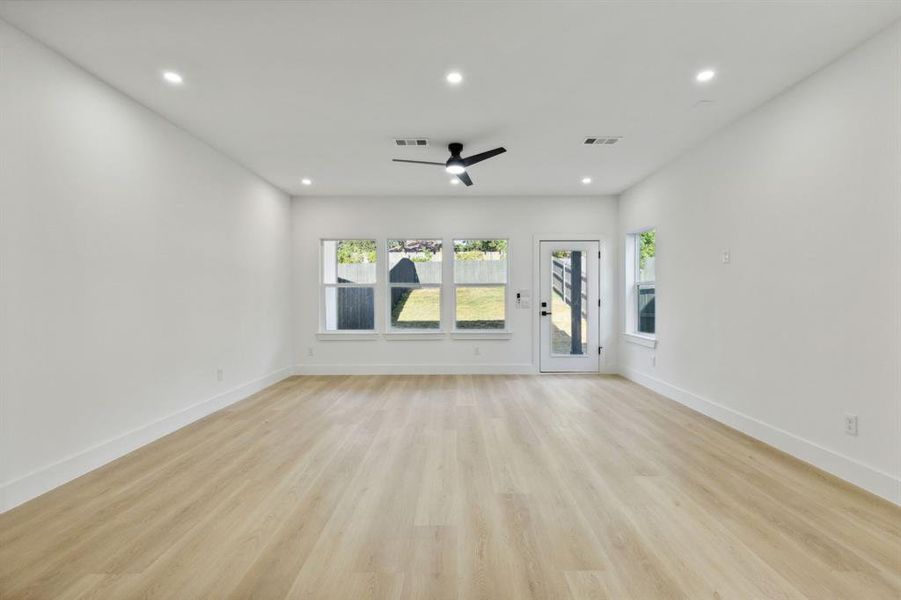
705 75
454 77
586 180
306 181
455 181
173 77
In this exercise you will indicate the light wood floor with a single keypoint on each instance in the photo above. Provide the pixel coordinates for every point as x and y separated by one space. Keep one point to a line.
453 487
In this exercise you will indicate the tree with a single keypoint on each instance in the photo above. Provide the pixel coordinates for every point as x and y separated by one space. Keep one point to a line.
479 246
356 251
647 246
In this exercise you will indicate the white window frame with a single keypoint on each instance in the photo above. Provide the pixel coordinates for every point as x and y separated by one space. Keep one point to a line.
389 286
454 285
323 287
633 284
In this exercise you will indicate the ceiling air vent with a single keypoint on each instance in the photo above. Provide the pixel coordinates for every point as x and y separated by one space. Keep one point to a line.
603 141
411 142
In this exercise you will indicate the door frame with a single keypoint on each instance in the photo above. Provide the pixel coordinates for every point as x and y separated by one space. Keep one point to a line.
603 291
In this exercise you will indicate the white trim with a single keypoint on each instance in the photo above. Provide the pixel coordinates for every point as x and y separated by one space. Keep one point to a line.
475 285
452 295
631 281
482 334
396 334
408 369
537 238
376 287
347 336
56 474
871 479
647 341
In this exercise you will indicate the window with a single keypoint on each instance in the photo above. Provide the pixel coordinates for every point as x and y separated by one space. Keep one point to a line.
645 285
414 284
480 284
569 303
348 282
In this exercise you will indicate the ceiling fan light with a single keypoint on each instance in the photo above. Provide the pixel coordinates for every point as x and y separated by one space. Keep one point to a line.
456 169
705 76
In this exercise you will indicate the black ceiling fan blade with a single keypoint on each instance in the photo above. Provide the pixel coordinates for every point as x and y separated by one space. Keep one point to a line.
418 162
464 177
476 158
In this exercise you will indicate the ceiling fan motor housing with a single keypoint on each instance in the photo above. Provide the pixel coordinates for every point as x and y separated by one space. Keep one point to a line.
455 164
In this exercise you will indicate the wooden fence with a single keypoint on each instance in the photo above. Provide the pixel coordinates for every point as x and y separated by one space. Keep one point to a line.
355 304
355 308
465 271
561 279
647 300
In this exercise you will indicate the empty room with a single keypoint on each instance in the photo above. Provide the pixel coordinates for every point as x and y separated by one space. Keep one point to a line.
450 299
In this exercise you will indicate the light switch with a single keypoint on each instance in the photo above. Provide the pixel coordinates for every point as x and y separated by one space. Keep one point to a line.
523 298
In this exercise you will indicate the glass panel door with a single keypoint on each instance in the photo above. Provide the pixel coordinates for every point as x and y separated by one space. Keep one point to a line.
568 306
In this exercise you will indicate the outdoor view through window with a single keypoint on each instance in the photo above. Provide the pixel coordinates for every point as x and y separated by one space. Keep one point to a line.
480 283
414 286
348 279
569 303
414 283
646 286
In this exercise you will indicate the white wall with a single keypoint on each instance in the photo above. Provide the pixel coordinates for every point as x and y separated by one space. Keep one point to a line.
135 262
804 324
517 219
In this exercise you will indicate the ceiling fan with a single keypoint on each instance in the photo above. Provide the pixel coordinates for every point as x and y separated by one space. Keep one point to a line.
456 164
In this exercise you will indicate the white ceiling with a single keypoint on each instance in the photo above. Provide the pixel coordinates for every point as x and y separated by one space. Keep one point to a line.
320 89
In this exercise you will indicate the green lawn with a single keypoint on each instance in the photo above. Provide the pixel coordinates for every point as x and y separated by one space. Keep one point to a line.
561 319
480 308
420 310
477 308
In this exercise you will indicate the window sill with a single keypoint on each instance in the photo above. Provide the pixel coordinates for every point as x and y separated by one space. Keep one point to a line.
414 335
346 336
482 335
648 341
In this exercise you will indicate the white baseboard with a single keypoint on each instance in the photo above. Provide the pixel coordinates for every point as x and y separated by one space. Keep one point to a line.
428 369
873 480
408 369
45 479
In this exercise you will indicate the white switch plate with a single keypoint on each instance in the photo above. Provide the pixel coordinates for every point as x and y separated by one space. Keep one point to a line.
851 424
523 298
727 257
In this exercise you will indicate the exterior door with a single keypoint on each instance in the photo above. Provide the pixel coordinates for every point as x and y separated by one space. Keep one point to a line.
568 306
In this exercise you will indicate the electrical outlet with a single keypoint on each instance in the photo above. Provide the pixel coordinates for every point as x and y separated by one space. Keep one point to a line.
851 424
309 350
219 374
477 351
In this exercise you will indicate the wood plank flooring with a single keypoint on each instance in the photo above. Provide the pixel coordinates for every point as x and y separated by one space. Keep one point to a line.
453 487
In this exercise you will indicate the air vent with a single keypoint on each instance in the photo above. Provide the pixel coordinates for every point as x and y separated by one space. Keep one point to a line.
411 142
602 141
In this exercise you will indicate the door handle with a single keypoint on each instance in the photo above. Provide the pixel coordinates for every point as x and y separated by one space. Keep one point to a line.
545 313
